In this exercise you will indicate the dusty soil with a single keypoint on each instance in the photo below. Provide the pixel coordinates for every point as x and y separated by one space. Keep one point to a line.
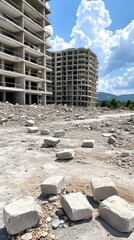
24 164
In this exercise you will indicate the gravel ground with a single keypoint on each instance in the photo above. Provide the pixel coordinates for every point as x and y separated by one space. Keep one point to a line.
24 163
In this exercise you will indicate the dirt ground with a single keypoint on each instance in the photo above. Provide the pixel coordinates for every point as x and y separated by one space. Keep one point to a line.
24 163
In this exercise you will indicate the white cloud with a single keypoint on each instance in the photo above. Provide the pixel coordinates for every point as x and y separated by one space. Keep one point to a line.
115 51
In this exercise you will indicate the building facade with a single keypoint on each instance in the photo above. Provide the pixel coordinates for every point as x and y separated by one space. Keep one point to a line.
23 51
74 77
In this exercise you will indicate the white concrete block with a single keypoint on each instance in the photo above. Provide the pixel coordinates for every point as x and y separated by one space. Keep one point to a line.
117 213
44 132
50 141
33 129
29 123
59 133
103 188
88 143
65 154
76 206
53 185
21 214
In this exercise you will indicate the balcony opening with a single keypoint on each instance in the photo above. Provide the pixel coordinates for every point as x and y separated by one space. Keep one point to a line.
1 96
34 86
10 97
34 99
9 82
27 99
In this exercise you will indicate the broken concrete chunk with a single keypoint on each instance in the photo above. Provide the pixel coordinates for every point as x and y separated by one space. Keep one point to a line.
76 206
50 141
20 215
88 143
65 154
102 188
118 213
59 133
111 140
53 185
29 123
44 132
33 129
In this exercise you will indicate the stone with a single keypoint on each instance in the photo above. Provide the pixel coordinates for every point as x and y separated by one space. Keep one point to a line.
56 223
76 206
117 213
52 199
29 123
21 214
65 154
102 188
59 133
50 141
26 236
53 185
107 134
125 154
88 143
111 140
33 129
44 132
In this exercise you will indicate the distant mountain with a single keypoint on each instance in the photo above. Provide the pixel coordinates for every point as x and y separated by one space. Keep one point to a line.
108 96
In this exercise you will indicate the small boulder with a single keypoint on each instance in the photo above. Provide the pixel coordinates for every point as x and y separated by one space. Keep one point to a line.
65 155
88 143
29 123
76 206
21 214
102 188
33 129
44 132
53 185
59 133
112 140
117 213
50 141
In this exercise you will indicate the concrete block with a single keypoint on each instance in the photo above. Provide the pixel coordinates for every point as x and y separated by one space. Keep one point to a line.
21 214
65 154
59 133
29 123
44 132
53 185
88 143
112 140
50 141
33 129
117 213
103 188
76 206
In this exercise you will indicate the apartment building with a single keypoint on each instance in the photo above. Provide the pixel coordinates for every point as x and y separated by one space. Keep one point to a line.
74 77
23 51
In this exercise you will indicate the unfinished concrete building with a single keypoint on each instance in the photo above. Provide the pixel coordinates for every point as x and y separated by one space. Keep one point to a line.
74 77
23 45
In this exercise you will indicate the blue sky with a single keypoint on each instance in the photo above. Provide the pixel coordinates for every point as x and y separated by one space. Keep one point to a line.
104 26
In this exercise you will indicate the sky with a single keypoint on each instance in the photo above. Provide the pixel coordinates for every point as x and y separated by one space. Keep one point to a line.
104 26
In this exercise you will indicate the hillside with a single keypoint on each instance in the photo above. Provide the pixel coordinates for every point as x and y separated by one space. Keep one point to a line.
108 96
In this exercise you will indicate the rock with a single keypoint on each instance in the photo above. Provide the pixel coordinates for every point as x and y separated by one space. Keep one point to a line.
56 223
111 140
44 132
21 214
33 129
59 133
125 154
81 117
118 213
29 123
88 143
106 134
102 188
76 206
26 236
50 141
52 199
3 120
49 219
53 185
65 155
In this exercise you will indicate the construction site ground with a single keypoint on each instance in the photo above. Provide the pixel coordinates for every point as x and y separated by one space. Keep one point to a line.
24 163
